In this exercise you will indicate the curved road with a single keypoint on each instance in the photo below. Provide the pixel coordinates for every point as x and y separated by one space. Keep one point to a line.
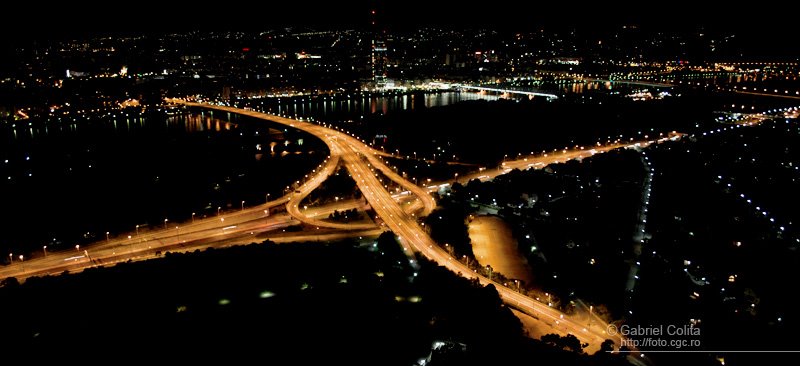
359 158
293 206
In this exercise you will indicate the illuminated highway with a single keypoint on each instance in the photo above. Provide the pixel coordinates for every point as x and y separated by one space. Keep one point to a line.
253 224
240 227
357 158
295 208
776 95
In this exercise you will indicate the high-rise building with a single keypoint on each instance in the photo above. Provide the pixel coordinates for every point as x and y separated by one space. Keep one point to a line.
378 57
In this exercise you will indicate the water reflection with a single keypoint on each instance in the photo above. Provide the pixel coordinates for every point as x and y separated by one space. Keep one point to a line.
582 87
363 105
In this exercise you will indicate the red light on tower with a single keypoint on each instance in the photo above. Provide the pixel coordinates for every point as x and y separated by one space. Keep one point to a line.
245 49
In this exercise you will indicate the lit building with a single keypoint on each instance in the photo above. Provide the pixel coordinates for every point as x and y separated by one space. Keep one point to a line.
378 57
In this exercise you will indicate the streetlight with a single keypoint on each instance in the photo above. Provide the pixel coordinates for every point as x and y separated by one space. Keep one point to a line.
192 217
267 197
11 257
242 205
178 230
218 208
22 262
165 223
107 239
44 248
137 231
78 247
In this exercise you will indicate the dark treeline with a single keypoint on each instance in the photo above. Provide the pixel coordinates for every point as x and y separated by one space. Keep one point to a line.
574 222
299 303
338 186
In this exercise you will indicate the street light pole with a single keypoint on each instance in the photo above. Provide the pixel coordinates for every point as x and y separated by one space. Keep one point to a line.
44 248
242 205
107 239
193 217
165 223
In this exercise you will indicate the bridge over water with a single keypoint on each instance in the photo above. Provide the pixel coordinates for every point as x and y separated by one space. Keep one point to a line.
505 90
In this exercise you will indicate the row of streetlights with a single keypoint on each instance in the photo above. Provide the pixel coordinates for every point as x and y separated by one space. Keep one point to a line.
108 234
22 257
11 257
44 249
219 209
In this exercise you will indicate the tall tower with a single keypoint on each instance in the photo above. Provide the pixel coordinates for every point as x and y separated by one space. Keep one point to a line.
378 57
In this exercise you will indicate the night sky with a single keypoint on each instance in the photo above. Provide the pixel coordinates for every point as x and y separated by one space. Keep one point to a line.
767 28
148 14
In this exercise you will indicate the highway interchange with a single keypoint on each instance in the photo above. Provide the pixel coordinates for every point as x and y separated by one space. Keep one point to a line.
396 212
360 159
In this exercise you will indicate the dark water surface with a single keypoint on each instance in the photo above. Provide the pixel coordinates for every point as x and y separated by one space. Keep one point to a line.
69 182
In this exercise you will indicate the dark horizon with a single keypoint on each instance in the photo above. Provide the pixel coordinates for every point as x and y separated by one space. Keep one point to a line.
66 20
761 37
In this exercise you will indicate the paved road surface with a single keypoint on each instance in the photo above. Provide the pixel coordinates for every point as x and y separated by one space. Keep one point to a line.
359 160
239 227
